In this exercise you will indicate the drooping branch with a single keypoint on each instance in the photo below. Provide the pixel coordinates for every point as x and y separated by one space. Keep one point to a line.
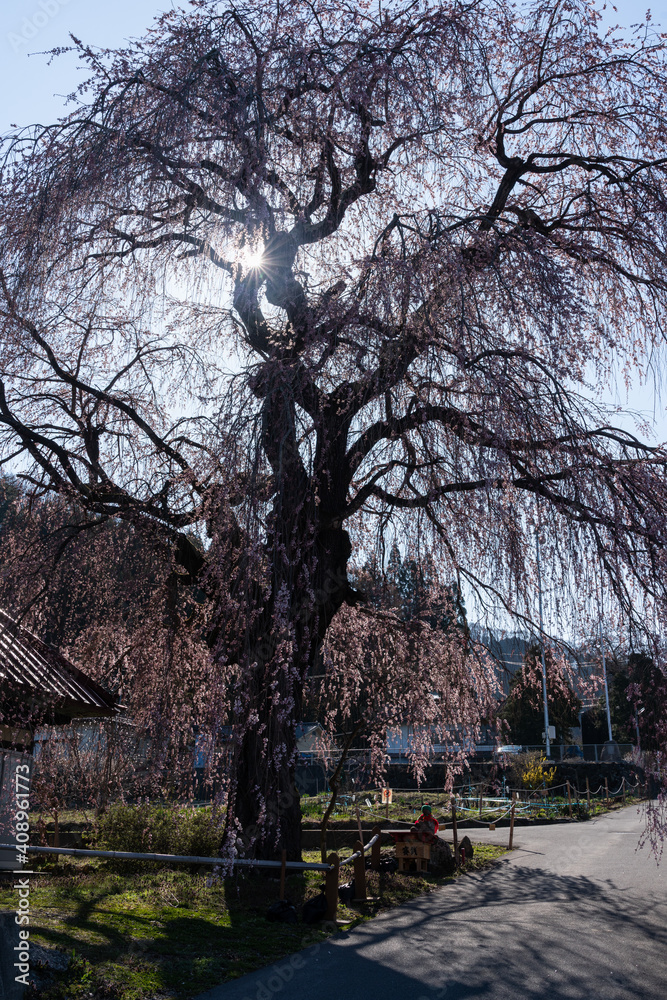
303 279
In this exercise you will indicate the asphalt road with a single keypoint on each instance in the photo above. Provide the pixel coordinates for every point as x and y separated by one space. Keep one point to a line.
574 913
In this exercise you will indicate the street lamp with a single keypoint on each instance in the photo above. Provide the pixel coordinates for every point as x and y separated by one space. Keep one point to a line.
604 661
544 665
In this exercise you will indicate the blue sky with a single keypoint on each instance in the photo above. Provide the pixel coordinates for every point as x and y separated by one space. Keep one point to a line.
30 88
33 91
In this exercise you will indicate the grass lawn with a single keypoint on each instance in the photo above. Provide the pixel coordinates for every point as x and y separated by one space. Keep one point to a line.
138 931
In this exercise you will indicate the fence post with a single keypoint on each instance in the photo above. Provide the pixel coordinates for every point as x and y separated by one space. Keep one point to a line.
375 849
569 800
283 865
359 872
588 794
331 886
512 809
606 791
455 835
480 805
623 788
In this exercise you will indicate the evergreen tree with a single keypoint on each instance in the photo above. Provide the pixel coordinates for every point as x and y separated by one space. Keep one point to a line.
523 709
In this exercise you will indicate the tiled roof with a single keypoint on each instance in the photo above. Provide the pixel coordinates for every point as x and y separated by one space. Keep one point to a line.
306 728
30 667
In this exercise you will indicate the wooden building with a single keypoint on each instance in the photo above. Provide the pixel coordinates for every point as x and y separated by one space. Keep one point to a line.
38 686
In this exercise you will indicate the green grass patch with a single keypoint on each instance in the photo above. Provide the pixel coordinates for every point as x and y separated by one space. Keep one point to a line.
407 806
136 931
65 816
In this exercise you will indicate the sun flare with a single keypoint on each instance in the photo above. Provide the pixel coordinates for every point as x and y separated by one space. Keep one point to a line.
252 257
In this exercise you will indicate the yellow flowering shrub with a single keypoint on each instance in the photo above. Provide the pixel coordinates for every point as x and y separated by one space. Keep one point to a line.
537 774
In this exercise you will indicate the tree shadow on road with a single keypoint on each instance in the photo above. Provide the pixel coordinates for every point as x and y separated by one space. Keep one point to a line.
516 932
528 932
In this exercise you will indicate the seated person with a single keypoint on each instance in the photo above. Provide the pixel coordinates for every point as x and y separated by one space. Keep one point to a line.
426 826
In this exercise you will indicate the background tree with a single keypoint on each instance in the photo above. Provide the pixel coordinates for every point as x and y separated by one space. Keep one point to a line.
523 709
61 568
381 673
637 701
409 587
405 657
106 595
294 277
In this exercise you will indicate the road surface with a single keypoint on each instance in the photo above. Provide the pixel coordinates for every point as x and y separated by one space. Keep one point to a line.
574 913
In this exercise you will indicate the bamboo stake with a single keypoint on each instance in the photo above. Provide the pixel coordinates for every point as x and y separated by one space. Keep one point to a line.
361 836
511 842
331 886
588 794
359 873
454 830
569 800
375 850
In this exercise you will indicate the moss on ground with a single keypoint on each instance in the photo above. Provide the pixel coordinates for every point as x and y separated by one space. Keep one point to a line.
135 931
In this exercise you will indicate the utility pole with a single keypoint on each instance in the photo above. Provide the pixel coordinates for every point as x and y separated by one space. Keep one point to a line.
604 661
544 665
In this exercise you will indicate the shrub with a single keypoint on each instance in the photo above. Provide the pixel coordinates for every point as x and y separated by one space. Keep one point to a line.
579 811
537 774
161 829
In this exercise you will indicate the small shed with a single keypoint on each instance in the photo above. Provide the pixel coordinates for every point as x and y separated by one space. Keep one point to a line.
38 686
308 735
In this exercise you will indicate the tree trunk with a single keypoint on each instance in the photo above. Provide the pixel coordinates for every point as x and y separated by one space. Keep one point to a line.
306 551
268 810
334 785
264 802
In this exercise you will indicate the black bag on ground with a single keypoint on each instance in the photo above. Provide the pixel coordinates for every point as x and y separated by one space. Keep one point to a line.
314 909
347 892
388 864
282 911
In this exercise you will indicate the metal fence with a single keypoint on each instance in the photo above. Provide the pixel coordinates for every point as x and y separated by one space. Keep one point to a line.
331 868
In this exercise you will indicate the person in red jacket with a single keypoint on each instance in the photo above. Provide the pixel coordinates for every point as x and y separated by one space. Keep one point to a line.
426 826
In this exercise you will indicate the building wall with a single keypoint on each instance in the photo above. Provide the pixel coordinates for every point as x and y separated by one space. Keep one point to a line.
8 762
